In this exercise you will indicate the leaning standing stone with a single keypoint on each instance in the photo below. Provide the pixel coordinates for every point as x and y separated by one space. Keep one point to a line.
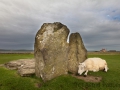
77 52
51 49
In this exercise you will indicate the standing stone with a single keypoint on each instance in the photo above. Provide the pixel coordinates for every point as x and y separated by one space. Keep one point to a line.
77 52
51 50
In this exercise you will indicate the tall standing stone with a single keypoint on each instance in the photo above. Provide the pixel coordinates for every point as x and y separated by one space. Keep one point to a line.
51 50
77 52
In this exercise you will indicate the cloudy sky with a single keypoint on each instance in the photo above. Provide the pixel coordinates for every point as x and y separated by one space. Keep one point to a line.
97 21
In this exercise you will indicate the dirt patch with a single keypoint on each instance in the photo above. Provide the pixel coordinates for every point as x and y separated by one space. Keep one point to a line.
38 85
1 65
89 78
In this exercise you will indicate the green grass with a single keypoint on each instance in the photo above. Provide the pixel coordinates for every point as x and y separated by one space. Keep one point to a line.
9 57
10 80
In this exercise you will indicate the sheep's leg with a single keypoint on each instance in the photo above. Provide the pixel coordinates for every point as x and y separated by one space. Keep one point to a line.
94 70
86 73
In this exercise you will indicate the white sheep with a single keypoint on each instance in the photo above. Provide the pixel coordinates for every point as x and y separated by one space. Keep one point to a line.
92 64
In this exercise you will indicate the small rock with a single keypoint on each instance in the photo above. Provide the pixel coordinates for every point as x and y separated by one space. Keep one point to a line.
1 65
26 71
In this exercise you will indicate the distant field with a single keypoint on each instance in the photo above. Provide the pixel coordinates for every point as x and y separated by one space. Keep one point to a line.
16 51
10 80
104 53
9 57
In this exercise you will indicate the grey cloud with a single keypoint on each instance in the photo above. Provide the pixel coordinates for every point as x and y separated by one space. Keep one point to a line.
97 21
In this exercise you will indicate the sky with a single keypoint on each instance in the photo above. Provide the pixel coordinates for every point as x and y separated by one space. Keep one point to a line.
97 21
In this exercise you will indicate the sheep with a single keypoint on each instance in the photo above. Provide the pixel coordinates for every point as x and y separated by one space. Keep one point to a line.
92 64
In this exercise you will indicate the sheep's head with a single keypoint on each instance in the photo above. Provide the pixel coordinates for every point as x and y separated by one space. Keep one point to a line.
81 68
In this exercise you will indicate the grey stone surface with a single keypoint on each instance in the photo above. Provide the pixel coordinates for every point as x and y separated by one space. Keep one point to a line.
26 71
77 52
25 67
1 65
51 50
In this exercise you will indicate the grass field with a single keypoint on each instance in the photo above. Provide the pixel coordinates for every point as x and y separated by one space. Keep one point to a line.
10 80
9 57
